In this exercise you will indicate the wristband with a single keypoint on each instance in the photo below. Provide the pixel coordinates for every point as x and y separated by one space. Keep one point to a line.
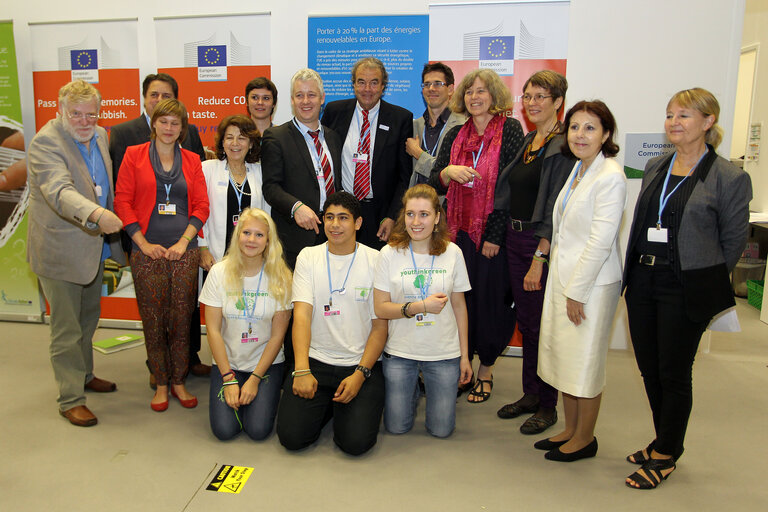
404 310
230 383
203 247
298 205
266 377
230 372
301 373
102 213
540 259
187 238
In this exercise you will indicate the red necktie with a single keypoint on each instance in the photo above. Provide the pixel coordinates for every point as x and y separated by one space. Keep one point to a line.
324 163
362 186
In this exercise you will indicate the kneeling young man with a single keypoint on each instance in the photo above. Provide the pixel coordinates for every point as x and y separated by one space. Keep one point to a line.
337 339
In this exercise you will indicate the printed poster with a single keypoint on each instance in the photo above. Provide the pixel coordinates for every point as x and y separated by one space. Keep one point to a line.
515 39
641 147
19 295
103 53
400 42
213 58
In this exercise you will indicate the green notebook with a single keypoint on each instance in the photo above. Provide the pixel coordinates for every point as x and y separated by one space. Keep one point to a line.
118 343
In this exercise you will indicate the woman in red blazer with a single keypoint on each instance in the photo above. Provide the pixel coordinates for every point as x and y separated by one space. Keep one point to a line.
163 202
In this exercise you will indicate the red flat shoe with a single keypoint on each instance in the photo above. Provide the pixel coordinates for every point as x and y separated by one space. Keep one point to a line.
189 404
159 407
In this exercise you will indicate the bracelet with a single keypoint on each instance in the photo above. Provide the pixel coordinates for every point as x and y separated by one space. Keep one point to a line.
301 373
203 247
230 383
102 213
187 238
425 306
266 377
540 259
404 310
230 372
298 205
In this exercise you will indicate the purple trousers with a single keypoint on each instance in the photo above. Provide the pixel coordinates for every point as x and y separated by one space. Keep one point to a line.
491 319
520 246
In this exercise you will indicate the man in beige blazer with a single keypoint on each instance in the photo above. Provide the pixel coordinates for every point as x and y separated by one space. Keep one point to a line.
70 198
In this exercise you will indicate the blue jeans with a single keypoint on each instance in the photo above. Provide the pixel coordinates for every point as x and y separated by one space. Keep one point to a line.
441 378
257 418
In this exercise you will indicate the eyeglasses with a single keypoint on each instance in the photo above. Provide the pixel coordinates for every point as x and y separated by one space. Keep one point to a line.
527 98
436 85
80 115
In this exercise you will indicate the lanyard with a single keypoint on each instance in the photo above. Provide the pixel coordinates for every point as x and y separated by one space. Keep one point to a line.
341 290
424 285
168 192
238 190
317 158
664 198
424 138
570 184
249 315
476 156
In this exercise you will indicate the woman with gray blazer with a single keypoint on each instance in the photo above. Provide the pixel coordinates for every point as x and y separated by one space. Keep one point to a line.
689 229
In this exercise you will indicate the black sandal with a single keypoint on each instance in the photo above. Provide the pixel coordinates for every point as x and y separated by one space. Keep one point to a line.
653 473
479 391
639 457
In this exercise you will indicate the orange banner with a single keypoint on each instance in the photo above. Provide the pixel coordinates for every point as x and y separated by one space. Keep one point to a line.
210 102
120 95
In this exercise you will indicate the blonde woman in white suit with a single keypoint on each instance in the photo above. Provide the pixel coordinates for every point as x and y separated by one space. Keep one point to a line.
234 184
585 279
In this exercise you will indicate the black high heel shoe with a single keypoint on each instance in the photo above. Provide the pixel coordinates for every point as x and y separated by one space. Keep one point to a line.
588 451
547 445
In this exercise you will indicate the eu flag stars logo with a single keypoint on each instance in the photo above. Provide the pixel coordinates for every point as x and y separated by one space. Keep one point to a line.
498 53
212 63
84 65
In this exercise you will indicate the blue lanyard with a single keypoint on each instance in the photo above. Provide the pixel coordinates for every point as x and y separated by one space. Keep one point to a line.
437 142
313 152
341 290
249 315
570 184
476 156
664 198
238 190
168 192
424 286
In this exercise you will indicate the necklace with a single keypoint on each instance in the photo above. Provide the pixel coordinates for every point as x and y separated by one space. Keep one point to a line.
530 155
239 187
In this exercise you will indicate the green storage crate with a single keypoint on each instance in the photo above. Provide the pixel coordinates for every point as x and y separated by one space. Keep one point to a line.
755 293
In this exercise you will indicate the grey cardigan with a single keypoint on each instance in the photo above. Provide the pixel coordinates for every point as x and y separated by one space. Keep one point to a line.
711 233
554 171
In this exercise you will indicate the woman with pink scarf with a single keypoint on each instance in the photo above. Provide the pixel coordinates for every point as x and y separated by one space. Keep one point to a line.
466 170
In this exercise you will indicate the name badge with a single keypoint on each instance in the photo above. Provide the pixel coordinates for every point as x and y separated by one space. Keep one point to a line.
657 235
360 157
384 127
470 183
235 219
328 311
99 192
166 209
247 338
424 320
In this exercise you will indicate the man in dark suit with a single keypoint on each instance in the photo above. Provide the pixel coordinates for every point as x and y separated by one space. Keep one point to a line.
155 88
375 166
301 166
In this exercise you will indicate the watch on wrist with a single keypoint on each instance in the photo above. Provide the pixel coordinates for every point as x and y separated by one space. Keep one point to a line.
540 254
365 371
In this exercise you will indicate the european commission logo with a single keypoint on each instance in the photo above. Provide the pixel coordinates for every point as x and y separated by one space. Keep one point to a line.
498 53
212 63
84 65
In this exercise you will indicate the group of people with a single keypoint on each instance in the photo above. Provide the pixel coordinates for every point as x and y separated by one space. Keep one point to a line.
359 258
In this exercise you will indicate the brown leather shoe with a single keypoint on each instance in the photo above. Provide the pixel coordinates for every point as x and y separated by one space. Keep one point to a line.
100 385
200 370
80 416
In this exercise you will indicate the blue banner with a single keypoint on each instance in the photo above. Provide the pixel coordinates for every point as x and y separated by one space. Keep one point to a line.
83 59
400 42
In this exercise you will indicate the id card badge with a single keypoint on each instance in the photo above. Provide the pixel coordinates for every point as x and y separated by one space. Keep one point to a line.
166 209
470 183
235 219
329 310
248 338
359 157
657 235
99 192
424 320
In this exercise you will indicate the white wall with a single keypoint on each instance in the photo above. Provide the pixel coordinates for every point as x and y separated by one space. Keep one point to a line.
756 33
633 55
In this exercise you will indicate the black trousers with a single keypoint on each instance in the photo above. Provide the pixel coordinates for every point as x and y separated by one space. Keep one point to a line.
355 425
665 341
